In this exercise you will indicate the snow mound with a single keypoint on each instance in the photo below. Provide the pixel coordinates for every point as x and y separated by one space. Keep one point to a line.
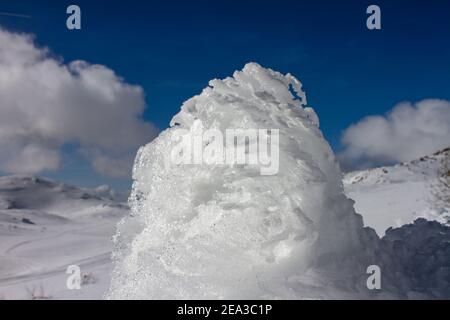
220 231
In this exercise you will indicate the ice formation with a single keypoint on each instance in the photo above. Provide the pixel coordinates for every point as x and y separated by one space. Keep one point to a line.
417 260
228 232
220 231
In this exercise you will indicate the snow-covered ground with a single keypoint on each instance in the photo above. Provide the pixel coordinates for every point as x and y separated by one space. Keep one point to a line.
397 195
46 226
228 232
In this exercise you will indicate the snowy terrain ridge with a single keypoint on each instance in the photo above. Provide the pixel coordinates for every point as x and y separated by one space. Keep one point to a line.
45 226
200 231
397 195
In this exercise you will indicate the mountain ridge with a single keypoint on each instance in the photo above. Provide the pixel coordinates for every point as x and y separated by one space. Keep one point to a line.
381 194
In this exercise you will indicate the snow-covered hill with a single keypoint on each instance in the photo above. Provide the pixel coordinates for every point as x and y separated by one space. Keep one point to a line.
396 195
46 226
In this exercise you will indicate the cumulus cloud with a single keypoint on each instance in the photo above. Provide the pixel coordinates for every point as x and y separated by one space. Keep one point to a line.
46 104
407 132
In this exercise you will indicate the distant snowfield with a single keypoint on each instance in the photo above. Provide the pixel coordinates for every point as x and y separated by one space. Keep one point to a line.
397 195
45 227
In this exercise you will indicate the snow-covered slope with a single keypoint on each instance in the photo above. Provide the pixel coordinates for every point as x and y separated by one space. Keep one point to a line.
45 226
396 195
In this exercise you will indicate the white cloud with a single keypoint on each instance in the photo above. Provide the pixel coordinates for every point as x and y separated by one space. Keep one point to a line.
110 165
46 104
407 132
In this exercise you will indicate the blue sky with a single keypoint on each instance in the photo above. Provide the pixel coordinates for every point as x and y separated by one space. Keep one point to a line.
173 48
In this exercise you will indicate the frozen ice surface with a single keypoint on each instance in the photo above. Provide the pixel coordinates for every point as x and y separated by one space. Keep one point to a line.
420 253
203 231
228 232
